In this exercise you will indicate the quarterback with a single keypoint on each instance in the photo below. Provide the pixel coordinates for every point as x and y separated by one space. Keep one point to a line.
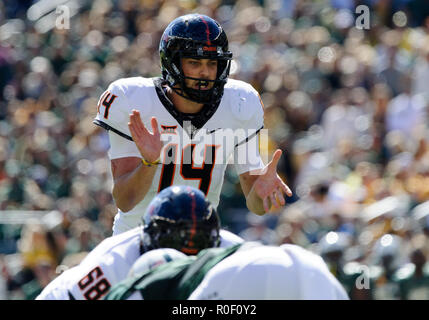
247 271
179 218
184 127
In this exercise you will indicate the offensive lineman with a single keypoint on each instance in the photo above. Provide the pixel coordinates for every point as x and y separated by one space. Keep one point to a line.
247 271
179 217
199 120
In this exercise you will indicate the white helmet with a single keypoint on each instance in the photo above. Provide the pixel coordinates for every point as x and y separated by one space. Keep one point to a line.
153 259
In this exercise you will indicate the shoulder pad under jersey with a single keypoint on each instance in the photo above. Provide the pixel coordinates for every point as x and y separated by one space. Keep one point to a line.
245 103
117 102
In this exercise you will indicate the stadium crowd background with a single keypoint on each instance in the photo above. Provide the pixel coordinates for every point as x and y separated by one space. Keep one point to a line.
348 107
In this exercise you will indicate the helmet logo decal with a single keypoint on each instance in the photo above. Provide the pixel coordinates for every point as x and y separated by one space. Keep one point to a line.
212 48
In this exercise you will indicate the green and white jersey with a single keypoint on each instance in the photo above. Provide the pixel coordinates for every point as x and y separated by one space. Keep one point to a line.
249 271
173 280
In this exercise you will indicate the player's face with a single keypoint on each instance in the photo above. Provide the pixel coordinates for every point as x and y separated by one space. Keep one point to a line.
199 68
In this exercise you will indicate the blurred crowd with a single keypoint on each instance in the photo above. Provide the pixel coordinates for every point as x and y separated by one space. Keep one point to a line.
349 108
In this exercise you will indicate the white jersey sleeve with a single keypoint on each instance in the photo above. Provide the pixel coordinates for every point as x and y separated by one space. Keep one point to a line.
248 107
105 266
113 109
121 148
113 112
57 289
228 239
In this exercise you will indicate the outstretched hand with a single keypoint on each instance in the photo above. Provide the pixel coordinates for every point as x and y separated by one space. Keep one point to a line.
270 187
148 143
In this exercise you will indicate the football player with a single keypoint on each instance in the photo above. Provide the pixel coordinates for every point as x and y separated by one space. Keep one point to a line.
183 128
180 217
248 271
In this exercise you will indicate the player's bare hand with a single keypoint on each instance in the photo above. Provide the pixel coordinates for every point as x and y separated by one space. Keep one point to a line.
148 143
270 187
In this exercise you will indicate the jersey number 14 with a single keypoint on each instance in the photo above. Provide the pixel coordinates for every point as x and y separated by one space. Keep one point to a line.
188 170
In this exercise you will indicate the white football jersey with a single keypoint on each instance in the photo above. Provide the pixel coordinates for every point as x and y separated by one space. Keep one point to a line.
106 265
190 156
